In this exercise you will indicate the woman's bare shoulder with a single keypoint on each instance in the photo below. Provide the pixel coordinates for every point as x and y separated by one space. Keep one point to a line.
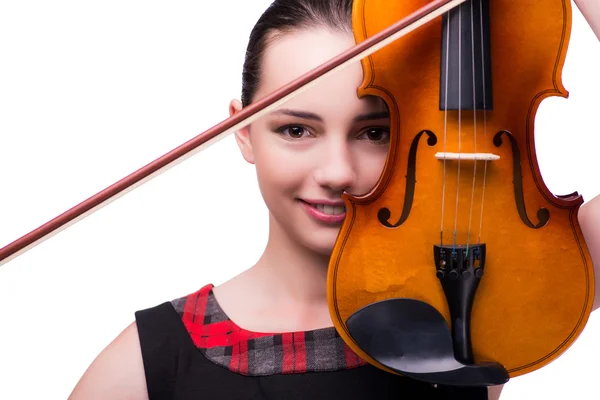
117 372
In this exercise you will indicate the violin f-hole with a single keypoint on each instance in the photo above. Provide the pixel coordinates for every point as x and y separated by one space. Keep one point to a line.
384 214
543 214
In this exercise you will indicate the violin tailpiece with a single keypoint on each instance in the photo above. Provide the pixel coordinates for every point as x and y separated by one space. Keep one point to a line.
412 338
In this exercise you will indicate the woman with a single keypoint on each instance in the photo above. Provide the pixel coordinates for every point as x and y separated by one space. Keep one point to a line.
306 154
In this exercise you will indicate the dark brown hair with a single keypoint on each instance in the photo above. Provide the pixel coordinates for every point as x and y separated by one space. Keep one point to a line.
284 16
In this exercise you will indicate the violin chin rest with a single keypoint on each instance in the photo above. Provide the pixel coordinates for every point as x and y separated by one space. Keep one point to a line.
412 338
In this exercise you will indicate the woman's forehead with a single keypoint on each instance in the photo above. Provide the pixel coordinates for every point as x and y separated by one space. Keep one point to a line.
293 54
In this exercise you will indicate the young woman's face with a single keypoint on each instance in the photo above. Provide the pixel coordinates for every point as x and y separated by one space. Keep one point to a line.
316 146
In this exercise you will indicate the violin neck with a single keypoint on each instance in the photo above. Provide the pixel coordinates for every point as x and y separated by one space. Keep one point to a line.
466 78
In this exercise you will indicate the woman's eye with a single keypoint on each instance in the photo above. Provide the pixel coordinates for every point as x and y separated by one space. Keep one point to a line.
294 131
379 135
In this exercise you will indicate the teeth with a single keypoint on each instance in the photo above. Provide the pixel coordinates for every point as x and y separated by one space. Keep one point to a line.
330 210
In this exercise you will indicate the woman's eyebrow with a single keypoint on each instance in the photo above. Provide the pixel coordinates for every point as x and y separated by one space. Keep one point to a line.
299 114
315 117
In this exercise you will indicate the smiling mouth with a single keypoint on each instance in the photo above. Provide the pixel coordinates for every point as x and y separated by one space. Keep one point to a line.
336 209
329 210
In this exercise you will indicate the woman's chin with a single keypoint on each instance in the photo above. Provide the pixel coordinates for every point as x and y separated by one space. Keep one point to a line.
323 246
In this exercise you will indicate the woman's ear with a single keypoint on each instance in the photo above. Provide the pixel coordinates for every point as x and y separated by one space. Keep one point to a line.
242 136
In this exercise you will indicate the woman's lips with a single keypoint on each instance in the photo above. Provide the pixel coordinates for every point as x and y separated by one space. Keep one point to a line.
325 211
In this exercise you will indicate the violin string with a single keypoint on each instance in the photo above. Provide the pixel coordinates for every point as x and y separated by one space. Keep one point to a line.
445 129
486 145
474 128
459 118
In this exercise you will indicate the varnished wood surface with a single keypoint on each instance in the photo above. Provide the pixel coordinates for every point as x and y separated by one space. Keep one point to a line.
537 291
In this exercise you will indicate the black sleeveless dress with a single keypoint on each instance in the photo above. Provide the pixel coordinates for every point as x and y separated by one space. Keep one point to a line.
192 351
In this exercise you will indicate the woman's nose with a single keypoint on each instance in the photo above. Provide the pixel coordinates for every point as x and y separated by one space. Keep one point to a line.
335 167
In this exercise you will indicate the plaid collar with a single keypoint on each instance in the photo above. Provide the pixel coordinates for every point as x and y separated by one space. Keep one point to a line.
259 354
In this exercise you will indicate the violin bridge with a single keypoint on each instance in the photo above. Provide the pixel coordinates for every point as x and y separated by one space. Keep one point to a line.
467 156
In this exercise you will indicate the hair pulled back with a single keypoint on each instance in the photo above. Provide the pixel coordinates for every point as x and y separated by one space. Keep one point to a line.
285 16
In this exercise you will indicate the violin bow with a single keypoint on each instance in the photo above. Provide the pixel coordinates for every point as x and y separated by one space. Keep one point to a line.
244 118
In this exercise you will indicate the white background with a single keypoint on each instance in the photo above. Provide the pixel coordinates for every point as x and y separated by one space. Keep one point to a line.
90 92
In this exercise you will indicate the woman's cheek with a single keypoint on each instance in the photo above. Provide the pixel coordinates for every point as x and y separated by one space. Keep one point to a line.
370 169
282 166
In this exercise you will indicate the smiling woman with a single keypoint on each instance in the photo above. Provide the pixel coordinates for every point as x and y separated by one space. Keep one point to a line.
266 332
269 329
287 137
325 141
317 146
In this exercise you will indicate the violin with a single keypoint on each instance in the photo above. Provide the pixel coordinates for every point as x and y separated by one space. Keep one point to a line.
448 240
460 266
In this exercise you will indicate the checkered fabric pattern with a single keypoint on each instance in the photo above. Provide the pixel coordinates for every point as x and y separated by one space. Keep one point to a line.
260 354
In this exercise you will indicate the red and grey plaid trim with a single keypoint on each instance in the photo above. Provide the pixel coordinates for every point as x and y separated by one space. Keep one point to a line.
260 354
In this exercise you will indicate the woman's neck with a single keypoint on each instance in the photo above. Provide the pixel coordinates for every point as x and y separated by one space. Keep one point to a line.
290 271
286 290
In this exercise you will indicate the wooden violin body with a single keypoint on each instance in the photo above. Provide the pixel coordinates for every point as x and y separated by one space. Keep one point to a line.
535 292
